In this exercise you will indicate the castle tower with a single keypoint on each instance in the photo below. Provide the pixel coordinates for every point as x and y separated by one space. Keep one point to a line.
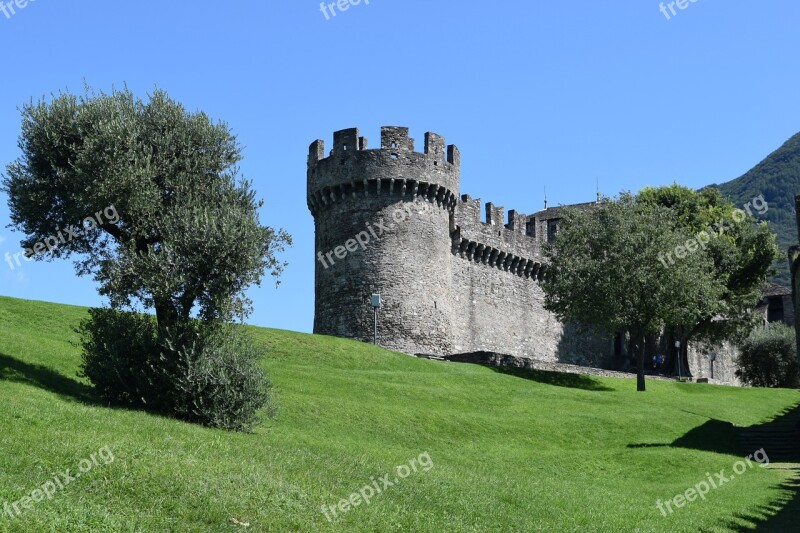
382 224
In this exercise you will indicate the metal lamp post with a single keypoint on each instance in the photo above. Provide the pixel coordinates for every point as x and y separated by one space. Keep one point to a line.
712 357
678 352
376 303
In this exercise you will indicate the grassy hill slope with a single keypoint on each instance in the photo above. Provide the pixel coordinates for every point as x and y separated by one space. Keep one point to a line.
778 178
546 451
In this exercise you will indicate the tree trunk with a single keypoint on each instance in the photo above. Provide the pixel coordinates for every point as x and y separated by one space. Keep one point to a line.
166 315
638 343
685 370
640 386
669 364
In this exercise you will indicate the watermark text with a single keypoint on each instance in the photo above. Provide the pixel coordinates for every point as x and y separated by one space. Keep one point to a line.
711 482
377 486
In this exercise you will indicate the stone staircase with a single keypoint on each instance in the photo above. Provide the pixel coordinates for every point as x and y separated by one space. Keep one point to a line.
779 438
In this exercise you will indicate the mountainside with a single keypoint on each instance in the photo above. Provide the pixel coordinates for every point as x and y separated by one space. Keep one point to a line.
778 178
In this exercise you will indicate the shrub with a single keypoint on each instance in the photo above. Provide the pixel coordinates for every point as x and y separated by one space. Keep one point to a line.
216 380
201 372
768 358
118 350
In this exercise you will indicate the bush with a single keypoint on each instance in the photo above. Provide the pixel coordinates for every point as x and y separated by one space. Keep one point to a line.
201 372
118 351
217 381
768 358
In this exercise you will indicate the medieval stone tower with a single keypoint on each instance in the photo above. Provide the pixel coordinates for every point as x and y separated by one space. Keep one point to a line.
390 221
402 200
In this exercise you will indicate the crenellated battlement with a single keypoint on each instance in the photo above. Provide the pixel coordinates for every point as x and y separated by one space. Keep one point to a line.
495 240
352 169
352 172
394 141
513 224
468 213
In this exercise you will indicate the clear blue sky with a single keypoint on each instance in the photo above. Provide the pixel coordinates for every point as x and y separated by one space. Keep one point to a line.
534 93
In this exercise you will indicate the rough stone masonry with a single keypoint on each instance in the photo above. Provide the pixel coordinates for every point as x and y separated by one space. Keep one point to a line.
449 282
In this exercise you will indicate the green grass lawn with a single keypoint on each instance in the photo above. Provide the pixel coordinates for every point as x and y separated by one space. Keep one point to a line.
510 452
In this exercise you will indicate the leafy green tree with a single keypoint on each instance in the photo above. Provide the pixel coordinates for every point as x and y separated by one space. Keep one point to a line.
604 272
740 250
180 234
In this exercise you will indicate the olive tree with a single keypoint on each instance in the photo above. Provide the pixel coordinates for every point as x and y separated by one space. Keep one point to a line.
181 237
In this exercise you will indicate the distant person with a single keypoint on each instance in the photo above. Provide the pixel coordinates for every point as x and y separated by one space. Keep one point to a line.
658 362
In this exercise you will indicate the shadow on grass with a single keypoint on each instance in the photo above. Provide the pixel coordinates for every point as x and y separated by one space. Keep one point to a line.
780 515
780 438
558 379
712 436
45 378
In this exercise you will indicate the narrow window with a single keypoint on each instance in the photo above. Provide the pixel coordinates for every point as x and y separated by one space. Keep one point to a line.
552 229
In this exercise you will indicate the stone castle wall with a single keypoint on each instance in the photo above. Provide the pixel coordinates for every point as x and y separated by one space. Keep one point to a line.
449 282
498 301
724 364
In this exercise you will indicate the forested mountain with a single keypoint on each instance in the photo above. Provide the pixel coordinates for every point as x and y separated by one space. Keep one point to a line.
778 178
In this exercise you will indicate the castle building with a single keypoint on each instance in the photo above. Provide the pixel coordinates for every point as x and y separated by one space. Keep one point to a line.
391 221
